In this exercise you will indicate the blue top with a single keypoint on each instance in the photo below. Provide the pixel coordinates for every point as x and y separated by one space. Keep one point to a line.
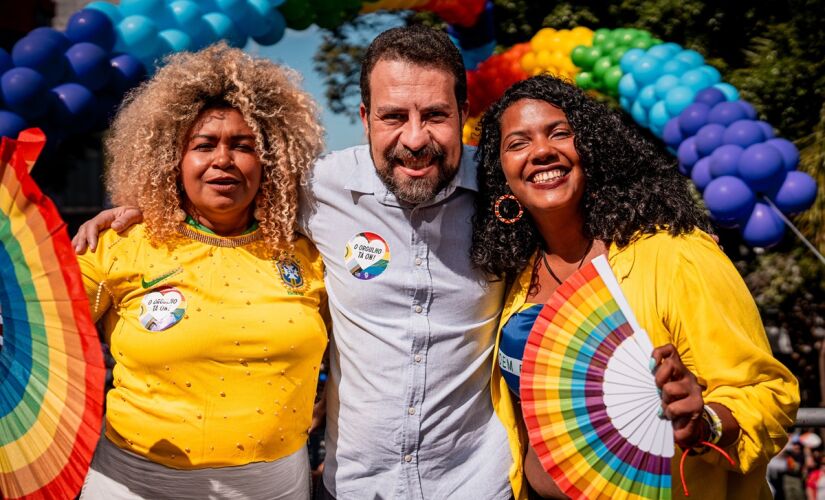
514 335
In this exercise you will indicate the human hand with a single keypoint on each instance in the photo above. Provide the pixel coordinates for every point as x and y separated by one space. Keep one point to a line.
118 218
682 401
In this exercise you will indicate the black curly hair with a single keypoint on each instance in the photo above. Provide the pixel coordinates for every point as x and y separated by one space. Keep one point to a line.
632 184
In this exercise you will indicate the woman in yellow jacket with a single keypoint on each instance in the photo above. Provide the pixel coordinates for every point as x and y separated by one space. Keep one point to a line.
590 185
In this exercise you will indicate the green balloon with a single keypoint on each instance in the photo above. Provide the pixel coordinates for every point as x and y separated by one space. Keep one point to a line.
600 68
608 46
642 43
611 78
590 57
579 55
584 80
600 36
617 54
627 38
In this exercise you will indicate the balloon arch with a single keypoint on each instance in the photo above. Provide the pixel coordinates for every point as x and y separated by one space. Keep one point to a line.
70 82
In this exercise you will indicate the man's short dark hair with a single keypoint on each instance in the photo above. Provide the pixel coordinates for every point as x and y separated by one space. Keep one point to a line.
419 45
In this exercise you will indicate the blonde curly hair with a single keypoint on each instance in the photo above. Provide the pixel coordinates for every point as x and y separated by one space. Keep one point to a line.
147 138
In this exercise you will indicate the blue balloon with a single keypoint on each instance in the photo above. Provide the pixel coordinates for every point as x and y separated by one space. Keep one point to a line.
6 62
767 130
153 9
173 41
42 54
729 199
725 160
259 18
628 87
693 117
788 151
93 26
743 133
75 107
750 111
678 98
105 110
708 138
138 35
726 113
222 28
186 16
663 84
664 51
62 40
710 96
629 59
731 94
696 79
764 228
647 70
647 96
237 10
761 167
88 65
11 124
700 174
713 73
686 153
796 194
672 133
126 71
659 116
24 92
639 113
675 67
690 57
111 11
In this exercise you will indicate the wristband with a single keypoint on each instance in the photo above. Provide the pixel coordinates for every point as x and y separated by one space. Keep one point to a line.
714 424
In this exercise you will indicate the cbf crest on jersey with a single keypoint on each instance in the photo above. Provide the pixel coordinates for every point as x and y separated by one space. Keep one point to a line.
291 273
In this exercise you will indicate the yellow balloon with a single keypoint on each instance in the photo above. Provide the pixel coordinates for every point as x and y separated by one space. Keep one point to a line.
528 61
537 71
543 59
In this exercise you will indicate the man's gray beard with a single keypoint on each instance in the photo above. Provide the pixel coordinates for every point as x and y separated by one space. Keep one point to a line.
414 191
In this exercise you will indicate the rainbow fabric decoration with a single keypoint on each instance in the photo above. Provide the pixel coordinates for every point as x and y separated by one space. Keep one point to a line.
589 399
51 363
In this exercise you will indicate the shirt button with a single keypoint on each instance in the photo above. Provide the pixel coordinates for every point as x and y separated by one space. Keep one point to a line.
418 261
418 309
417 358
411 410
408 458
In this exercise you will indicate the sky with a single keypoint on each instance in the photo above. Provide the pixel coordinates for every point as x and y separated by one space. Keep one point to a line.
296 50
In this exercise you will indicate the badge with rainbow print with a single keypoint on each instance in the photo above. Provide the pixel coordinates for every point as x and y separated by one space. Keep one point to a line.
367 255
589 399
162 308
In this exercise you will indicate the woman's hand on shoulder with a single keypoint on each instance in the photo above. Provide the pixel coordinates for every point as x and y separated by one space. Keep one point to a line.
682 401
118 218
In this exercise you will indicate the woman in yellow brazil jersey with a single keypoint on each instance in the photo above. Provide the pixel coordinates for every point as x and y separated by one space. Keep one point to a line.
591 185
212 306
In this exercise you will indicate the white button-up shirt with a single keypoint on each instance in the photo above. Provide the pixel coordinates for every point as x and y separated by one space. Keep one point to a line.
409 414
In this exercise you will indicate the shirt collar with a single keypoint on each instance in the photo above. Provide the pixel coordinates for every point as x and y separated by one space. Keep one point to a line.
364 179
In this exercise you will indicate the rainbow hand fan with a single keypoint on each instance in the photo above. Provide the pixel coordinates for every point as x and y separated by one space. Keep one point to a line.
51 364
589 399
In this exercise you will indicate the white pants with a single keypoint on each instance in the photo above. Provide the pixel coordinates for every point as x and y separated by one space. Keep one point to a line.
116 474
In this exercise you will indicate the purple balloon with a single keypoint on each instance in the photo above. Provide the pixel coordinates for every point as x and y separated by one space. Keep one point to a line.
687 153
710 96
748 108
92 26
700 174
744 133
708 138
692 118
88 64
767 130
790 155
11 124
42 54
671 134
729 199
24 91
56 36
5 61
75 107
761 167
726 113
796 194
725 160
764 228
127 71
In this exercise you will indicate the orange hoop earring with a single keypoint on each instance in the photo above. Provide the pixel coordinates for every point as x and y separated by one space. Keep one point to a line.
497 209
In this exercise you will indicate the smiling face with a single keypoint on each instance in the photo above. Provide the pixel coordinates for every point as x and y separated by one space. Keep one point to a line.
414 128
539 159
221 171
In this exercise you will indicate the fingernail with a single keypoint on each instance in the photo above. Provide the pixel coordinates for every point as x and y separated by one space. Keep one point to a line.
652 365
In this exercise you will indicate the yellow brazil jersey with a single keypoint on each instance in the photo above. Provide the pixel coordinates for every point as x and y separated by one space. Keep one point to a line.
217 346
